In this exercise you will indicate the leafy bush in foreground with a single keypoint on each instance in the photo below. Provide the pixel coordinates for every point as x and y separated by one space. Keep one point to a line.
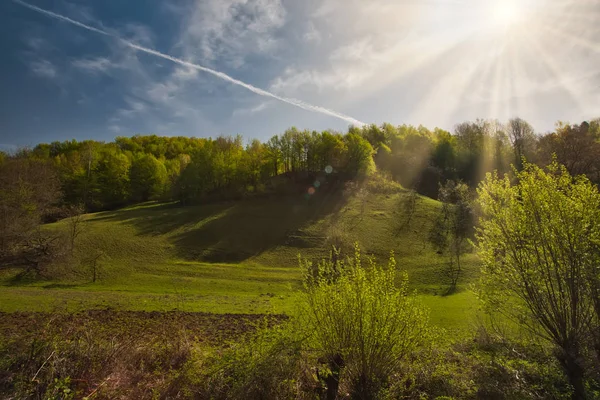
539 244
362 320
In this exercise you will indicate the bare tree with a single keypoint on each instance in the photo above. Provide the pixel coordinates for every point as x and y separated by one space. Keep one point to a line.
408 207
75 223
29 191
574 146
94 263
521 136
41 250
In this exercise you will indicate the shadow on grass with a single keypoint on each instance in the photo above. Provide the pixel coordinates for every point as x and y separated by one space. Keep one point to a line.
23 277
27 277
59 286
449 291
232 231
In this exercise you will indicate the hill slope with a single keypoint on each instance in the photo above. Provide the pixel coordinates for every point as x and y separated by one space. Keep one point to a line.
240 256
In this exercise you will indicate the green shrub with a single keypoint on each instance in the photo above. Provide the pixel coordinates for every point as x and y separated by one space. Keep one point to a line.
362 321
380 183
266 366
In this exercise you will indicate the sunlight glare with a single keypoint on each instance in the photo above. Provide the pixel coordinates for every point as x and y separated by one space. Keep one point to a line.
506 12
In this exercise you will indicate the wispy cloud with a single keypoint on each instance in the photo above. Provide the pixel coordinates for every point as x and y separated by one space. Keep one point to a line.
252 110
292 101
114 128
228 31
93 65
43 69
311 34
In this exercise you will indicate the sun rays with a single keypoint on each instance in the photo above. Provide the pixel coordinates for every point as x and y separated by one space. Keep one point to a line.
514 53
506 13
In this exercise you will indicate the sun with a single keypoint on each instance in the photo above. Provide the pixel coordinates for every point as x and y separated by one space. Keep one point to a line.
506 12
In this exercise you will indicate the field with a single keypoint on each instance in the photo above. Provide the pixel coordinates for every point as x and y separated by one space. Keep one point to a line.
241 257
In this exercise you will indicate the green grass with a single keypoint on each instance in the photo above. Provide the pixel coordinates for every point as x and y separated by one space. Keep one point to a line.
240 257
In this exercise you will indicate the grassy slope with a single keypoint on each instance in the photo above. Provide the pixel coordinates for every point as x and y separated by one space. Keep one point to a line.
240 256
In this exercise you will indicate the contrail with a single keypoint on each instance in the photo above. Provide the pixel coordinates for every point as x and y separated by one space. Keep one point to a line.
220 75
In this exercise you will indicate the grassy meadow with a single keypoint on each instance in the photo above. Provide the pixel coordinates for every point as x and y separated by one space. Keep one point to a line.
241 256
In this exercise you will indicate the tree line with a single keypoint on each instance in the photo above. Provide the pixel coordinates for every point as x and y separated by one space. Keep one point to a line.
103 176
129 170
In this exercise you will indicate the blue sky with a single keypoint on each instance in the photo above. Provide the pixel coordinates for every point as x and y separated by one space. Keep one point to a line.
311 64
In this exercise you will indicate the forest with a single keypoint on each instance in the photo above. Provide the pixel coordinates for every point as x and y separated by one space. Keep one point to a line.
102 176
424 264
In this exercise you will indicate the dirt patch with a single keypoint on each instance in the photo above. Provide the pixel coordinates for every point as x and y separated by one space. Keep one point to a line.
114 354
212 329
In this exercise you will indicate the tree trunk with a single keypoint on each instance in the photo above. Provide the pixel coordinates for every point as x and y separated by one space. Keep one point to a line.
332 379
570 360
365 389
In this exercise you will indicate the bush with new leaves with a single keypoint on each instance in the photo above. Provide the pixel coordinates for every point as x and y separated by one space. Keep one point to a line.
362 319
538 240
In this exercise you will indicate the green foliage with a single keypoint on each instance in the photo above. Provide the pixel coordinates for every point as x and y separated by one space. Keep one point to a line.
267 365
538 243
112 180
98 174
381 184
363 316
483 367
577 147
360 155
148 177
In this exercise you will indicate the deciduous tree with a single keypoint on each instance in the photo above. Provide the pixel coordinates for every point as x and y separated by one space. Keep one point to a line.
538 242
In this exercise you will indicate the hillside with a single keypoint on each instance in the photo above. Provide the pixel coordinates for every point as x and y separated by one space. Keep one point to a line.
241 256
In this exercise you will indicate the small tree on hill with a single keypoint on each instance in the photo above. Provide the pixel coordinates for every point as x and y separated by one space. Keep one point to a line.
453 227
93 261
538 241
74 216
408 207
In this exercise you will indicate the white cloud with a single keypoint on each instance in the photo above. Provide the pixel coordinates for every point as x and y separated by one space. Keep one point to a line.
93 65
221 75
114 128
133 107
227 31
262 106
36 44
184 74
312 34
37 57
351 59
348 67
43 69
